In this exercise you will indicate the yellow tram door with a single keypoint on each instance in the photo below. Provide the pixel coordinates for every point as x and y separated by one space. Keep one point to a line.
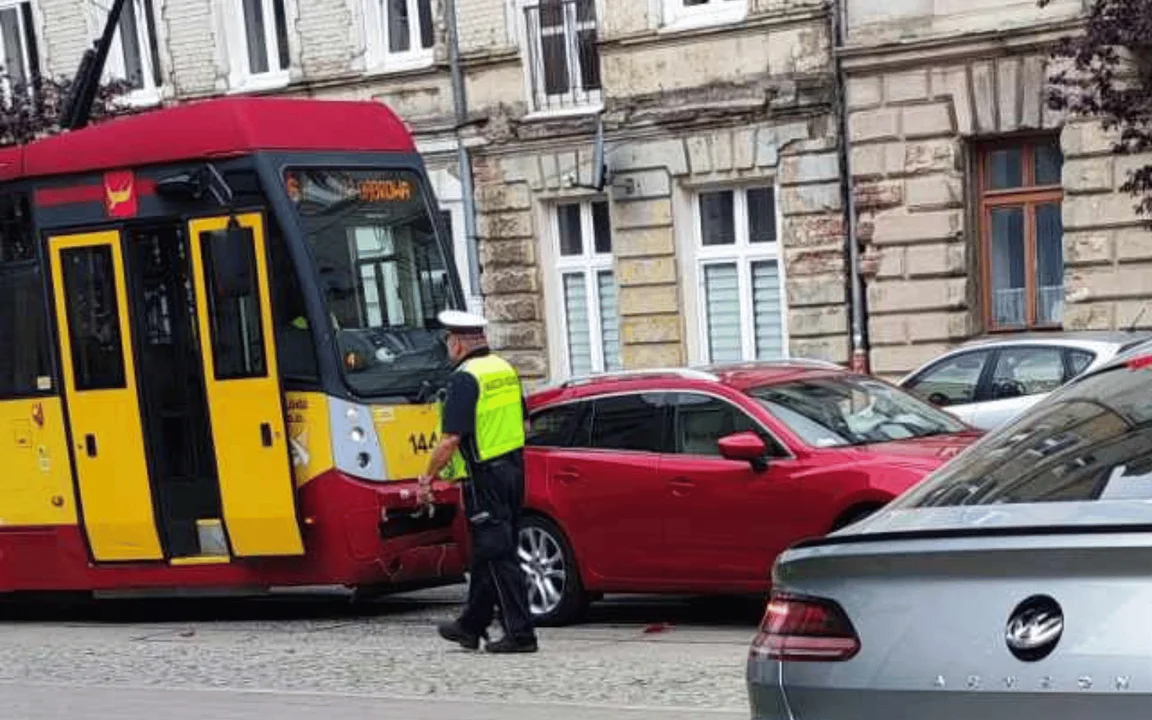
100 385
237 338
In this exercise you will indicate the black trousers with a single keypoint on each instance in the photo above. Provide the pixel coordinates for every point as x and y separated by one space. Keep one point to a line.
493 499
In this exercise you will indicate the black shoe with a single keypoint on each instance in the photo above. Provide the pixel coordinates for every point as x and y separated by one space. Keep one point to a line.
506 645
452 632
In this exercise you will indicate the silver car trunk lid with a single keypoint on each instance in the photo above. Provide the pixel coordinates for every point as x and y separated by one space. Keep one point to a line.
1005 625
1014 583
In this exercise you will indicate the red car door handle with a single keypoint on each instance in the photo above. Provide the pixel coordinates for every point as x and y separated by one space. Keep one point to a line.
566 475
681 485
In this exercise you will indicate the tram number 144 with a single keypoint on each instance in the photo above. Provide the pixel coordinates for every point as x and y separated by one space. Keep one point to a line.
423 444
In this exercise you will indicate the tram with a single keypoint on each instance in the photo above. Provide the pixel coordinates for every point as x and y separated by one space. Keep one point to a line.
219 353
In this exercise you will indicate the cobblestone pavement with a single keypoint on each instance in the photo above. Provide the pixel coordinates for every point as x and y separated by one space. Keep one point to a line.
25 702
159 649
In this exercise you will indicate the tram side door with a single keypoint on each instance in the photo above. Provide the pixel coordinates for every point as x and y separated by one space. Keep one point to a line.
230 275
100 382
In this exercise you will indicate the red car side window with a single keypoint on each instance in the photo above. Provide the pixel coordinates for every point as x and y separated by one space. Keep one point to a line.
634 422
559 427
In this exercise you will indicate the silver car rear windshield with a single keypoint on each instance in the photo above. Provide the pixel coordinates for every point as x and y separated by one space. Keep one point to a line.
1090 442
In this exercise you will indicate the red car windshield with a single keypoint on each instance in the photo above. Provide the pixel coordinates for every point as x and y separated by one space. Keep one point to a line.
847 411
1091 441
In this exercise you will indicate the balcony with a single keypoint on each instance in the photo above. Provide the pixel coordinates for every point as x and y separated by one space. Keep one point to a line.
563 59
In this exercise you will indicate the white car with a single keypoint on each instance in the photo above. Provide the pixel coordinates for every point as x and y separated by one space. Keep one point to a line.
988 382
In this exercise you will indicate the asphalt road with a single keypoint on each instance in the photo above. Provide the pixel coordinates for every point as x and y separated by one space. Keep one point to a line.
299 655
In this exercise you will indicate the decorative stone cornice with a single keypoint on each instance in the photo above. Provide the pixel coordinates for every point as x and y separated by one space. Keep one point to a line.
955 48
754 24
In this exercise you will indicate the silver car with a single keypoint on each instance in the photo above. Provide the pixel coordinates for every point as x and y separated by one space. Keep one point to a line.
1015 583
988 382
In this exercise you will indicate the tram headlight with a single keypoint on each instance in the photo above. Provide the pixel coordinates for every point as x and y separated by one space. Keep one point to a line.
358 435
353 413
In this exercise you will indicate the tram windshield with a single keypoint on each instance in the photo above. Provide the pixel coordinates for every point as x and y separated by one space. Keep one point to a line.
382 271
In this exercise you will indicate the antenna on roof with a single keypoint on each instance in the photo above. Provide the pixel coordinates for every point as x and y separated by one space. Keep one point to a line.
77 109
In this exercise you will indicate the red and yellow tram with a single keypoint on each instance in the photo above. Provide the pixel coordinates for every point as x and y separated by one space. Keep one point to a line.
219 352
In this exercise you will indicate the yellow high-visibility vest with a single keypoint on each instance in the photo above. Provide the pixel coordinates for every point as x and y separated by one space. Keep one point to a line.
499 427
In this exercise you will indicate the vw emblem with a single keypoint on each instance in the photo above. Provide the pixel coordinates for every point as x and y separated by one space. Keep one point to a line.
1034 628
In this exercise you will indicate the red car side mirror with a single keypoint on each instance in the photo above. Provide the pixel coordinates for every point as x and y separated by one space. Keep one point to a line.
746 447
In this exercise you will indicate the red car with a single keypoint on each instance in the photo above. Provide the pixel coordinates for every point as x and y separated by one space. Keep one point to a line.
693 481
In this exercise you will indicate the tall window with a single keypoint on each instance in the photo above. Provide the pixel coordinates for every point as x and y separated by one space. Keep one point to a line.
563 60
1022 234
703 12
24 364
18 41
400 33
741 306
587 288
263 50
135 53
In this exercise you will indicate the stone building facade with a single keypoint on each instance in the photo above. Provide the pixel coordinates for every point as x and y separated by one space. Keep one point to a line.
984 211
718 235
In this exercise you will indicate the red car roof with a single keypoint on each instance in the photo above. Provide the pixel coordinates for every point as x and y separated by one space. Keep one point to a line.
215 128
746 378
737 377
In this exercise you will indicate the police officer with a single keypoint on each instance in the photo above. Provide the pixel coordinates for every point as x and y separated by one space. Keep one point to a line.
483 424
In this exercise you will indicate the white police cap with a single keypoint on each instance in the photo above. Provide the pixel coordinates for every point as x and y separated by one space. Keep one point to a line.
462 321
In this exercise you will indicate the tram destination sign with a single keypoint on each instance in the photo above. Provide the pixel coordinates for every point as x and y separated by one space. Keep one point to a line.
325 188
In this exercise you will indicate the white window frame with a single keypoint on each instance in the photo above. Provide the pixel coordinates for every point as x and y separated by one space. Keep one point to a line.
589 263
116 67
241 78
25 33
677 16
743 253
378 57
533 60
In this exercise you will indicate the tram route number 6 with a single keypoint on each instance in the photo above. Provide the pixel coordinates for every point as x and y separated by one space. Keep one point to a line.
423 444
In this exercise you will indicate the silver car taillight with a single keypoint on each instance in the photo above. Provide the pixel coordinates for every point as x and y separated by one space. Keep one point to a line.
805 629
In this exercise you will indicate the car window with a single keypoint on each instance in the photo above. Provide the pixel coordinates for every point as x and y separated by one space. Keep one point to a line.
1079 360
1090 441
843 410
558 427
630 422
1025 371
952 381
702 420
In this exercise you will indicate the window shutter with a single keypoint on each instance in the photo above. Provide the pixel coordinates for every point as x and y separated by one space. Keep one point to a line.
766 310
722 305
609 320
576 312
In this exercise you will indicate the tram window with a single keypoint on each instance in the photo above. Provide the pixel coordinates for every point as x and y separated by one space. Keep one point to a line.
93 318
17 242
294 339
234 304
383 271
24 364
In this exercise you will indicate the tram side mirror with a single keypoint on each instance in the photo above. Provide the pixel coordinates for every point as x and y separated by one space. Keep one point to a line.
229 257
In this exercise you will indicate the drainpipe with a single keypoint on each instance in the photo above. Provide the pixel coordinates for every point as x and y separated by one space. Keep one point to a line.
859 329
466 188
